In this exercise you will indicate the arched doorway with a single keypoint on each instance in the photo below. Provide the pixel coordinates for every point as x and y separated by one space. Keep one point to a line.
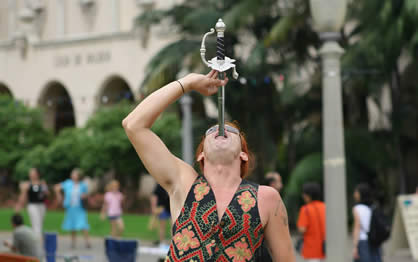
58 107
113 91
5 91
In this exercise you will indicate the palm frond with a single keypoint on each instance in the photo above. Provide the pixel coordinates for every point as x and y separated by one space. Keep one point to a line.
257 56
165 65
280 30
200 21
307 169
241 13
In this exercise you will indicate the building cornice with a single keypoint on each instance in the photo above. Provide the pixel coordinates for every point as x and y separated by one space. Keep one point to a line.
71 39
83 38
6 44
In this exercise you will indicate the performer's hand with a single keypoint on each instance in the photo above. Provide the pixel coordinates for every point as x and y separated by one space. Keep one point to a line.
204 84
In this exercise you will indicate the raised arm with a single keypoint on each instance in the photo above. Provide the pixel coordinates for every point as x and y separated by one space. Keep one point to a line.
277 228
24 187
160 163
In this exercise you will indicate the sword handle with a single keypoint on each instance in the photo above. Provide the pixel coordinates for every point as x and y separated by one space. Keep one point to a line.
220 45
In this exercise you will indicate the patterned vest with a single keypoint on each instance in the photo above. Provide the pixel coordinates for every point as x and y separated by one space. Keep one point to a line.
199 237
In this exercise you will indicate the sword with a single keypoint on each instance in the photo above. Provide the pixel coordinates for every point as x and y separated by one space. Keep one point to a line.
220 63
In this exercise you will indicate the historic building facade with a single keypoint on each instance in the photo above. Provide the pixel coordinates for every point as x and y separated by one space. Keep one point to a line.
71 57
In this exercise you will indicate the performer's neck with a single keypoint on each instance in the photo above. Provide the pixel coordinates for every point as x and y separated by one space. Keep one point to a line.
223 175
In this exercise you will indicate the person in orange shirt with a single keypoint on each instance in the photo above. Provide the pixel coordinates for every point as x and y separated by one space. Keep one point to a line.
311 223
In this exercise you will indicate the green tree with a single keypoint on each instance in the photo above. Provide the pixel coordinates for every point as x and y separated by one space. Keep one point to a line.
384 37
21 130
283 124
55 161
108 148
99 147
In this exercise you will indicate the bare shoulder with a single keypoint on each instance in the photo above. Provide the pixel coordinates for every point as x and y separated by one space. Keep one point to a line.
268 198
268 195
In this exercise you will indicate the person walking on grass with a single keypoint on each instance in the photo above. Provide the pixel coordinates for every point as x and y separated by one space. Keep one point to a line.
160 209
112 208
75 191
217 215
34 192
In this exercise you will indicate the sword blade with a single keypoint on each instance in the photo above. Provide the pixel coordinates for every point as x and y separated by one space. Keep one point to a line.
221 106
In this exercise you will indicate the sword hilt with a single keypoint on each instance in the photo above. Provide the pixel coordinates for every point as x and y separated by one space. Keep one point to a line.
220 44
221 62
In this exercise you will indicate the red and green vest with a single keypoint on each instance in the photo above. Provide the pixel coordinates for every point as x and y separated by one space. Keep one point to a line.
198 236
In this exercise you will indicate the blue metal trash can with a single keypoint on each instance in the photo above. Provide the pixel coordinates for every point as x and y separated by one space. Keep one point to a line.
50 245
121 250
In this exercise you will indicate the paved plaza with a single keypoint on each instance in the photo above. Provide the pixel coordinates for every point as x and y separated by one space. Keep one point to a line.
146 252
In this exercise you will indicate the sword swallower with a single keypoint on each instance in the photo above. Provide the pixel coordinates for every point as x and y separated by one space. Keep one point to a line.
220 63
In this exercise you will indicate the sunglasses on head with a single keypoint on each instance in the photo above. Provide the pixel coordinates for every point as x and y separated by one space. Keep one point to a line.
228 128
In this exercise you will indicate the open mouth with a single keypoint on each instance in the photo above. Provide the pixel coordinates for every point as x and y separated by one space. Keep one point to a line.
225 136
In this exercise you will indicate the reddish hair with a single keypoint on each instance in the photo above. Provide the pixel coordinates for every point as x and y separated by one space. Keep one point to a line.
246 166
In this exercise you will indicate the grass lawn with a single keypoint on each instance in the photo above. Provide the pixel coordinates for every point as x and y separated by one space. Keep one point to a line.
136 226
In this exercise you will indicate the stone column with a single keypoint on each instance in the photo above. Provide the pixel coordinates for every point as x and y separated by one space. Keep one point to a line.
334 156
187 131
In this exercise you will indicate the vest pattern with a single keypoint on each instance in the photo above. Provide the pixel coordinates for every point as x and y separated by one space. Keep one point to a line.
198 237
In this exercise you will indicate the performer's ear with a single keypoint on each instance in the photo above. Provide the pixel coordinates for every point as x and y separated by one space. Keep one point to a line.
200 157
243 156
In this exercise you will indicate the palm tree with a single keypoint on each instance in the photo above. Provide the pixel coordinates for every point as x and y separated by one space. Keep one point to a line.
385 36
268 39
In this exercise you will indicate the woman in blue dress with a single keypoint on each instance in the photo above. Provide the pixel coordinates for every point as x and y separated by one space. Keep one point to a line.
75 214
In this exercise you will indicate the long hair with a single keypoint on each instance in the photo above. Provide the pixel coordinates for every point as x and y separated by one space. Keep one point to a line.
366 196
246 166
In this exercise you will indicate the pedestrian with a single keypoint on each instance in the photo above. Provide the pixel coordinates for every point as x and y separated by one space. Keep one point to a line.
274 180
112 208
216 215
25 240
34 192
362 213
75 194
160 208
311 223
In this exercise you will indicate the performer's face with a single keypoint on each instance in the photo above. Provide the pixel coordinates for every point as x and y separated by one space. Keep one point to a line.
222 149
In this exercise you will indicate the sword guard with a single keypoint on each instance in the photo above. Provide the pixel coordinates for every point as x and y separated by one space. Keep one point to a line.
215 63
223 65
